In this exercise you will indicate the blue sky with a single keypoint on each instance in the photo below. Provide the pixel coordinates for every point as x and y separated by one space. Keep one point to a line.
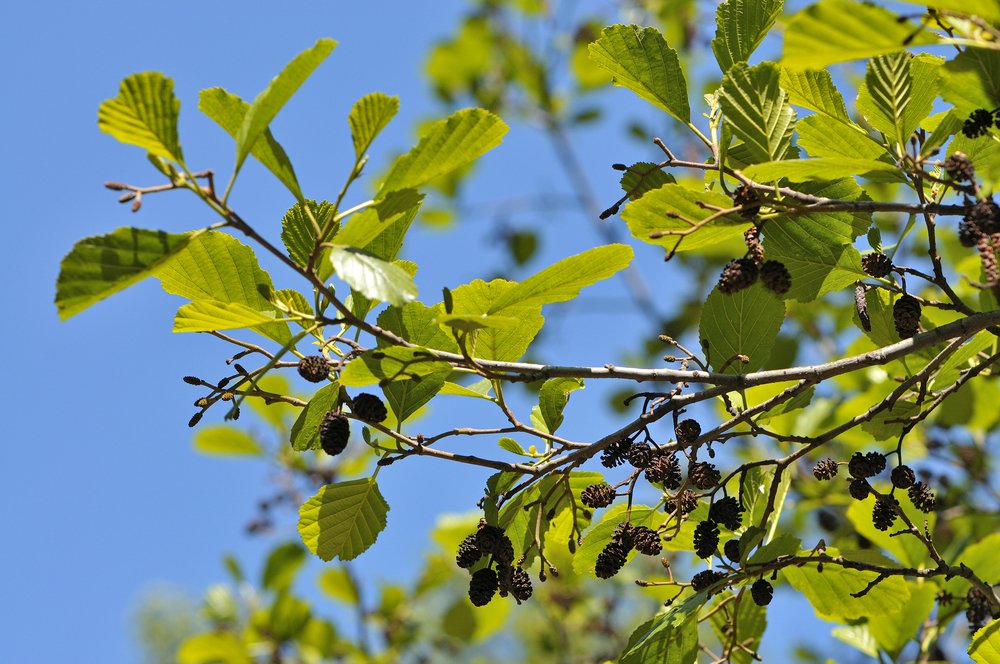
102 494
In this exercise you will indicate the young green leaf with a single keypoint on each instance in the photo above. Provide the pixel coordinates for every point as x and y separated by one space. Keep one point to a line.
673 209
671 637
887 96
823 169
824 136
217 267
643 177
740 28
449 144
339 584
553 397
563 280
742 323
814 90
506 345
389 364
406 397
641 60
144 114
758 111
228 111
987 9
214 647
100 266
305 431
344 519
985 645
298 233
282 565
281 88
971 80
226 441
210 315
892 631
365 228
373 277
840 30
368 117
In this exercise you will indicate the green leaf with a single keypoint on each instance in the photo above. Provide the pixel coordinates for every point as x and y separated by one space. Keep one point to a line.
299 235
388 364
337 583
657 210
227 441
553 397
214 648
893 631
305 431
987 9
512 446
829 591
505 345
742 323
755 491
281 88
985 646
643 177
757 110
449 144
228 111
368 117
209 315
406 397
641 60
471 322
823 169
417 323
282 565
457 390
896 96
671 637
858 637
363 229
971 80
824 136
750 622
216 266
840 30
342 520
373 277
562 281
815 90
285 619
100 266
144 114
741 26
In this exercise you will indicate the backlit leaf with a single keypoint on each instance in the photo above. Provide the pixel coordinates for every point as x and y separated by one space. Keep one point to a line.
368 117
344 519
144 114
740 27
742 323
373 277
757 110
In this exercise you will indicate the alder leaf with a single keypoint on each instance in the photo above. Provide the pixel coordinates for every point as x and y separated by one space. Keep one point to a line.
368 117
305 431
228 111
224 440
100 266
742 323
209 315
741 25
674 208
277 93
449 144
144 114
985 646
373 277
344 519
814 90
757 110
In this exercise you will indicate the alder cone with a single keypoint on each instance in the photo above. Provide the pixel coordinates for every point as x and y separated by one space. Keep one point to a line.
738 274
369 408
334 432
775 277
906 316
314 368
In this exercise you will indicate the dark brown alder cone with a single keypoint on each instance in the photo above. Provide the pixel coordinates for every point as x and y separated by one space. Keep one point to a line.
747 198
610 560
624 534
520 585
664 468
647 541
706 579
369 408
468 553
922 497
859 489
706 538
334 432
825 469
615 454
755 250
704 475
640 454
876 264
978 123
483 586
762 592
687 431
732 550
903 477
866 465
978 610
884 513
985 214
861 306
490 539
686 501
959 168
314 368
727 512
504 552
738 274
598 495
775 277
906 315
968 233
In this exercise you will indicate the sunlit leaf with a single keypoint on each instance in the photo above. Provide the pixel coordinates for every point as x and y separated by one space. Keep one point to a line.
343 520
226 441
740 27
368 117
742 323
144 114
373 277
